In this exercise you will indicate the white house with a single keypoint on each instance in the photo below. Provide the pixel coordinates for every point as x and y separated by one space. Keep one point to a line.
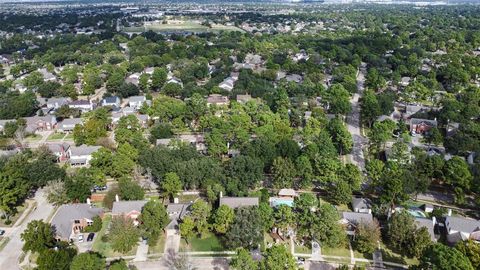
460 228
55 103
81 155
68 124
137 101
83 105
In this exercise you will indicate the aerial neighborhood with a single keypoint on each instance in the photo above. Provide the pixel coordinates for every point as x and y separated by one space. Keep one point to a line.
224 136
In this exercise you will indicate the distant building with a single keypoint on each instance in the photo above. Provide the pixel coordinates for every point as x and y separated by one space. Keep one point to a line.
235 202
352 219
461 229
60 150
68 124
361 205
56 103
137 102
40 123
128 209
218 100
113 101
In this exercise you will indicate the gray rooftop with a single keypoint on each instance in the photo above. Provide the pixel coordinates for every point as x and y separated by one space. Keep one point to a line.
125 207
354 217
462 224
67 213
83 150
427 223
361 203
235 202
71 121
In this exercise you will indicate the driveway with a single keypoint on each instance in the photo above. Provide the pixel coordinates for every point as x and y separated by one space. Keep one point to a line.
10 254
142 252
173 241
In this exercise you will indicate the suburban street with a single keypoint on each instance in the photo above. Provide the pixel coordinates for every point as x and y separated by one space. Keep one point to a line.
353 122
10 254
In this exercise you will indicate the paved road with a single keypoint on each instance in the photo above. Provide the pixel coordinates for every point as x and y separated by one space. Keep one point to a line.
198 263
10 254
353 122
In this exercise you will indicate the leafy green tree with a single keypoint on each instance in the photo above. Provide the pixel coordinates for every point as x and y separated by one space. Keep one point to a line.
153 219
283 171
222 219
187 228
123 234
367 237
339 99
51 259
88 261
130 190
471 250
370 108
171 185
159 77
457 173
248 171
341 137
284 217
266 215
200 213
380 133
38 236
341 192
404 236
434 136
278 258
243 261
96 225
102 159
441 257
246 230
325 227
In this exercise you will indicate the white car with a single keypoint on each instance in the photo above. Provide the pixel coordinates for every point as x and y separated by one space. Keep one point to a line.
80 238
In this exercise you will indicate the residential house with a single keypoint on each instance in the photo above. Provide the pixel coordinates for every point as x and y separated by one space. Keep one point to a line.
429 224
133 79
460 229
149 70
452 128
218 100
113 101
227 84
40 123
68 124
196 140
176 81
60 150
235 202
143 120
405 81
56 103
82 105
351 220
128 209
176 211
47 76
71 219
294 78
422 126
361 205
81 155
137 102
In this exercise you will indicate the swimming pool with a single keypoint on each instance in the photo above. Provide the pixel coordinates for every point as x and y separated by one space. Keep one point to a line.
417 213
275 202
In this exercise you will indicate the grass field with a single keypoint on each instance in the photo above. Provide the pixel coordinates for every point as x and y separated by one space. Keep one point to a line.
340 251
180 26
209 243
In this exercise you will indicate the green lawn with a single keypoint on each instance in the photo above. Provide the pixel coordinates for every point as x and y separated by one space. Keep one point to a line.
158 247
391 256
209 243
303 249
14 218
105 248
362 255
55 137
33 138
339 251
69 137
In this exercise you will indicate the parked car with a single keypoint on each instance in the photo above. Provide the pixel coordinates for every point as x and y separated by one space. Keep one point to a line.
90 236
80 238
2 232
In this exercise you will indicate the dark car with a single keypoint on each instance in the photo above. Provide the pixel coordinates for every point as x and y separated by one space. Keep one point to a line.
90 237
2 232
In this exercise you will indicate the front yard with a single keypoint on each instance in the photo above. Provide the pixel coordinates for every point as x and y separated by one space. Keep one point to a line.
104 247
210 243
159 246
55 137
